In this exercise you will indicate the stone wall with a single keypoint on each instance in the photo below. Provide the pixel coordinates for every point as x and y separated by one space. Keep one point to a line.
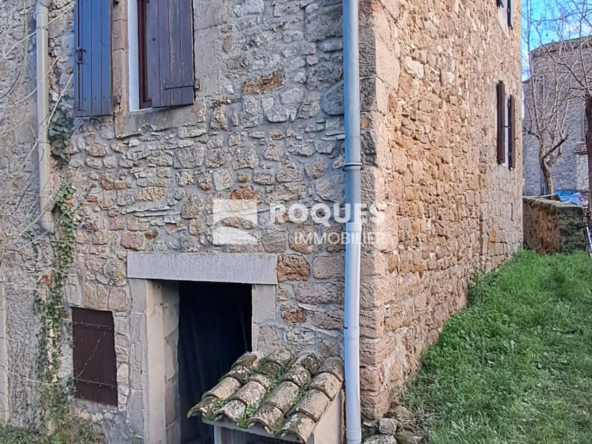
449 205
582 178
551 226
267 124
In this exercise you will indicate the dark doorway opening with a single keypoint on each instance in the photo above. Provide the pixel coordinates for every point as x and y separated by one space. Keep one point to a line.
214 330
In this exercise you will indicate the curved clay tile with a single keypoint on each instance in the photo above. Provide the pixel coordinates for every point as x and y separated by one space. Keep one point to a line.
326 383
270 369
249 360
224 389
282 357
283 396
313 404
205 407
268 416
262 379
310 361
250 393
298 374
232 410
333 366
240 373
298 425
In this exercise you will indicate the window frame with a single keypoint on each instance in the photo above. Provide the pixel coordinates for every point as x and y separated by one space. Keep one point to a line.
144 101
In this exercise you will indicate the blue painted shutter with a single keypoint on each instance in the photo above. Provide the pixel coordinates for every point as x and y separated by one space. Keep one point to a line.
170 52
92 69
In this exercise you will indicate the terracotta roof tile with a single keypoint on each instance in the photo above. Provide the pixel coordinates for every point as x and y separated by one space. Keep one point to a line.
298 375
232 410
326 383
205 407
224 389
333 366
240 373
269 417
285 394
251 393
313 404
262 379
298 425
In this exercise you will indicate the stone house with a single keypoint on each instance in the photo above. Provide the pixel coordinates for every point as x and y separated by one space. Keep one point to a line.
166 133
570 171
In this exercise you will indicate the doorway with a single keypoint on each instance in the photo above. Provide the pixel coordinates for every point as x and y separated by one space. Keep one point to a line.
214 330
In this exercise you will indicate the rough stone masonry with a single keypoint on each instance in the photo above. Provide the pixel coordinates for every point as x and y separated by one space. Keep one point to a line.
267 124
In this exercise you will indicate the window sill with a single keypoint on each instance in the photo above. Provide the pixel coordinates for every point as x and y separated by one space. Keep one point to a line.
130 123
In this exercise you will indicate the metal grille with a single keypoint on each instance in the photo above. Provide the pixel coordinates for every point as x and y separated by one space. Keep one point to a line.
95 366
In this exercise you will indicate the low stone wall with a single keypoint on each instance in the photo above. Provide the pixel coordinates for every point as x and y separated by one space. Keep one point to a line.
553 227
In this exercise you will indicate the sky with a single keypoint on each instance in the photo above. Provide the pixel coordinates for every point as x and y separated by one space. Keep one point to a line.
545 15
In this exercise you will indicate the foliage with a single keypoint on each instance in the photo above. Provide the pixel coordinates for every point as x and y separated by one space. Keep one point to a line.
61 426
75 432
516 365
59 131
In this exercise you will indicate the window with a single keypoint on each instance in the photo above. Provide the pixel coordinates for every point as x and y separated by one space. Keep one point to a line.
161 55
507 7
584 125
95 365
506 127
165 53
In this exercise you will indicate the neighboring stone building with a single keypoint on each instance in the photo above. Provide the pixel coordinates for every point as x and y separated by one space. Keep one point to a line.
566 173
266 124
582 178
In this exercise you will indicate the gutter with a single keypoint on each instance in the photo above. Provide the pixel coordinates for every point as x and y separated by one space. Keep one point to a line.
352 167
44 148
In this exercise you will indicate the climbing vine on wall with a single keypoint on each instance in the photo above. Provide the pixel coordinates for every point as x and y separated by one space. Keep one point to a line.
54 396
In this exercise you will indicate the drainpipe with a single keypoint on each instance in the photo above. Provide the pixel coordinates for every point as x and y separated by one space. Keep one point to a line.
352 167
44 149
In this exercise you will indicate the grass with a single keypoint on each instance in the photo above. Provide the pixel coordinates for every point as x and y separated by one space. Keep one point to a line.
515 366
75 432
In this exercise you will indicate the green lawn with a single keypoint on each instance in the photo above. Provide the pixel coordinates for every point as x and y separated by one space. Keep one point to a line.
515 366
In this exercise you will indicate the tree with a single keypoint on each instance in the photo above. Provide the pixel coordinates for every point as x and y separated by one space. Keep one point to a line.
565 28
550 95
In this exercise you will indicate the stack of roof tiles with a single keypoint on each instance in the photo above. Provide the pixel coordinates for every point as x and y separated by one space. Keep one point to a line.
286 394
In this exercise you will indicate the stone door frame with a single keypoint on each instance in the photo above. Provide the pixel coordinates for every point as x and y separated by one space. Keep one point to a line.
154 279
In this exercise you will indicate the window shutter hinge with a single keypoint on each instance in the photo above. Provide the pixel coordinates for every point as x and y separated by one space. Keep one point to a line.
178 85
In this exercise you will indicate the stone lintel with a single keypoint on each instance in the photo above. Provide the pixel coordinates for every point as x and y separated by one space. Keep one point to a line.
247 268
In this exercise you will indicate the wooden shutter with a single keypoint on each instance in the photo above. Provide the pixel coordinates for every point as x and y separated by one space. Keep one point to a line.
95 365
501 123
92 28
511 13
512 141
170 52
